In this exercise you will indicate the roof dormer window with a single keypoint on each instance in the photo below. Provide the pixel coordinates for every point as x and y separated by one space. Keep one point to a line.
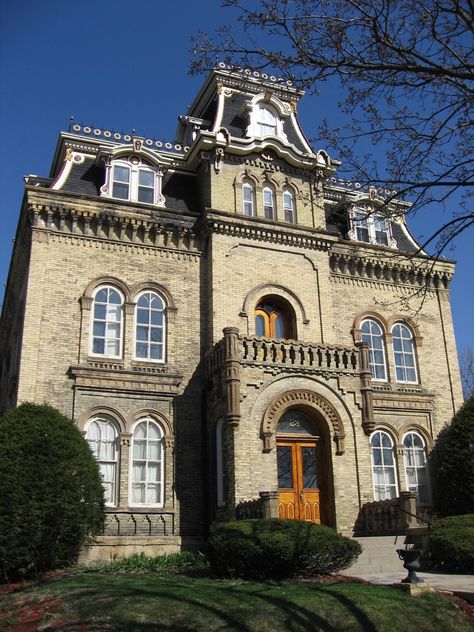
130 178
370 228
266 121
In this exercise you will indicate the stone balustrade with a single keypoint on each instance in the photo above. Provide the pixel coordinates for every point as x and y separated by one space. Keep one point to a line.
393 516
139 524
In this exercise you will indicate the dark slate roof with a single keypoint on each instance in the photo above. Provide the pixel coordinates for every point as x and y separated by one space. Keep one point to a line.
401 238
85 178
181 193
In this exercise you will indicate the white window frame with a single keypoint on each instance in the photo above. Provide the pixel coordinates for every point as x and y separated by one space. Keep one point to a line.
366 219
368 337
134 166
404 354
106 420
422 502
248 204
380 491
289 208
268 191
107 322
150 327
131 501
257 125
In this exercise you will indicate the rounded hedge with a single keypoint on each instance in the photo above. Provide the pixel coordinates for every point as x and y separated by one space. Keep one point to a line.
453 465
51 495
273 549
452 543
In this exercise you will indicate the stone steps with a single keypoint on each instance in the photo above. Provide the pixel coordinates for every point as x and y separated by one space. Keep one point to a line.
378 555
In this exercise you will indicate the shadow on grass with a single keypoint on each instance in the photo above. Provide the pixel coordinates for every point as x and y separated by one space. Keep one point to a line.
186 605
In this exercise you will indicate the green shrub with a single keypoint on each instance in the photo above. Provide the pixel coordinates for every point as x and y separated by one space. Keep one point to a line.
452 543
453 465
184 561
273 548
51 496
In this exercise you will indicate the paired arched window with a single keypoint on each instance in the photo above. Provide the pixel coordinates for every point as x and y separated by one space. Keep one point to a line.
416 467
150 327
147 464
134 180
107 324
107 317
372 334
404 354
103 439
383 466
289 207
268 203
274 318
248 199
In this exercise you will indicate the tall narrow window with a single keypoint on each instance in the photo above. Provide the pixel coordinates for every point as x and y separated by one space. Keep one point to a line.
416 468
288 207
361 227
147 464
380 231
121 182
107 322
266 122
102 437
274 318
220 480
383 466
146 186
404 354
373 335
248 199
268 203
150 327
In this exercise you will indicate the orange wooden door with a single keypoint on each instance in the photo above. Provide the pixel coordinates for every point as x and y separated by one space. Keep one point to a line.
299 494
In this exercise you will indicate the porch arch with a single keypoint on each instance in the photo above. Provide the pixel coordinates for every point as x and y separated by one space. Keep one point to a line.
301 397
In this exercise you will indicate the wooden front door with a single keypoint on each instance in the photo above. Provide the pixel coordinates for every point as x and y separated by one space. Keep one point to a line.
298 480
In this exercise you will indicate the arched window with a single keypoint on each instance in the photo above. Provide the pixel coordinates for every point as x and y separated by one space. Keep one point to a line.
404 354
266 121
107 316
268 203
383 466
372 334
274 318
150 327
289 207
147 478
248 198
102 437
131 178
416 468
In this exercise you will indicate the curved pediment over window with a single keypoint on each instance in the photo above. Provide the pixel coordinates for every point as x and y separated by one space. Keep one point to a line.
266 116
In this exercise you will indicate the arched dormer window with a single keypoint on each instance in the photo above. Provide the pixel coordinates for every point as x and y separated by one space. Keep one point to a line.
274 318
150 327
265 121
416 467
131 178
147 464
383 466
103 439
404 354
248 199
107 318
372 334
288 206
268 203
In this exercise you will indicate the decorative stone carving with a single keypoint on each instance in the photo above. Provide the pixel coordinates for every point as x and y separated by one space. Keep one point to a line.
291 398
232 375
368 423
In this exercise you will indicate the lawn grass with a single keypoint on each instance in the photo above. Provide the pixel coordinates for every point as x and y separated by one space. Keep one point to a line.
177 603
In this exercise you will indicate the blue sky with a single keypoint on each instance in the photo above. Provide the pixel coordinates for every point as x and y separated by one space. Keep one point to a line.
124 65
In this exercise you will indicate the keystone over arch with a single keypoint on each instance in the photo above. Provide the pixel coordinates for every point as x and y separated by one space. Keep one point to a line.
301 397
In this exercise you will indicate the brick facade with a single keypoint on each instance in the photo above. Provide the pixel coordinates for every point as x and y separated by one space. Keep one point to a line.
211 265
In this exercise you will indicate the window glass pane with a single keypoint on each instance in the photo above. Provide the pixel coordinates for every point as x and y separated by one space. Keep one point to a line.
98 346
279 327
146 195
285 473
141 350
309 467
288 207
99 329
146 178
156 318
120 191
121 174
295 422
156 352
142 316
260 325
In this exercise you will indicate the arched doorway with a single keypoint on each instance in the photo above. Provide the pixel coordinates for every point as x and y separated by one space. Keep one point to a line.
303 462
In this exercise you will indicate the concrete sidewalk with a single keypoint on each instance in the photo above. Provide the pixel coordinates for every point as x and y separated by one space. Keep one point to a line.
462 585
